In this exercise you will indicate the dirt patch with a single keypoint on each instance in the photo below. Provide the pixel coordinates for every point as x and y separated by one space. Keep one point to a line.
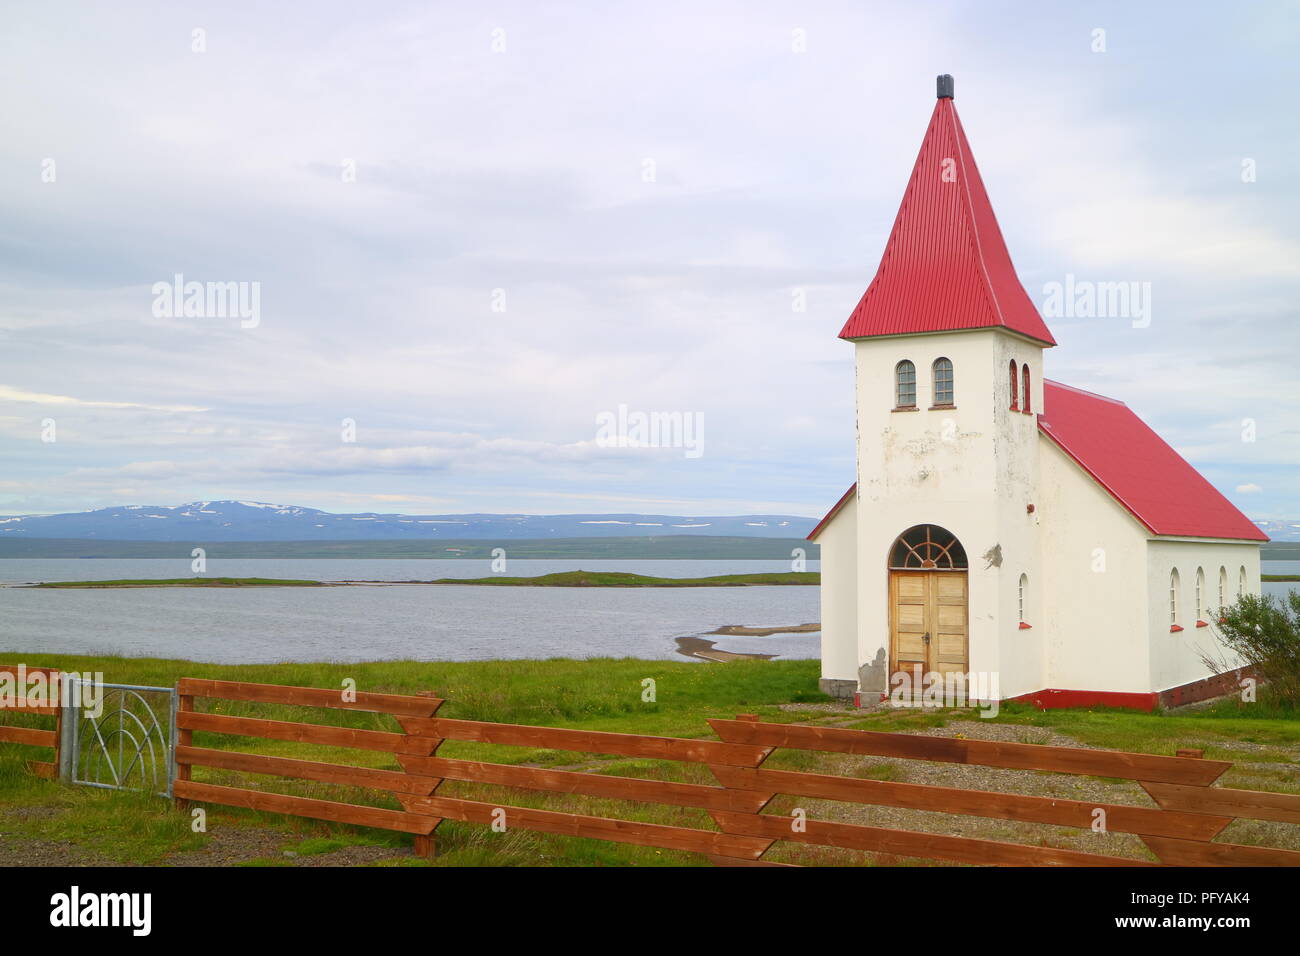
742 630
705 650
229 845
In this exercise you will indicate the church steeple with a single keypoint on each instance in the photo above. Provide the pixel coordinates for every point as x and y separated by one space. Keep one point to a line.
946 266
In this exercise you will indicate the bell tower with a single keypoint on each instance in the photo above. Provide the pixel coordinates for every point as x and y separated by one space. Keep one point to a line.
948 358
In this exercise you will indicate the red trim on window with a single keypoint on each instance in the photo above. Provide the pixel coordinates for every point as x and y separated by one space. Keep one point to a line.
1175 628
1202 624
1026 627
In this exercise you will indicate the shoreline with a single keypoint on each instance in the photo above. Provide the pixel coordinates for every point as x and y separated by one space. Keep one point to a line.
560 579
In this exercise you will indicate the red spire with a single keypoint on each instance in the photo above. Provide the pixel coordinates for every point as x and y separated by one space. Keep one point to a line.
945 266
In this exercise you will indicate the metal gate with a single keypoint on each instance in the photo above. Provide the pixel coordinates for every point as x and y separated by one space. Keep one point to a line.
127 743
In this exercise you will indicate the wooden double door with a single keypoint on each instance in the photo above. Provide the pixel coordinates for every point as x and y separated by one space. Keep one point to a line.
928 623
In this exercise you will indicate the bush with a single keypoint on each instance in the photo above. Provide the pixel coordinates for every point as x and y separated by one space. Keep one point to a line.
1265 633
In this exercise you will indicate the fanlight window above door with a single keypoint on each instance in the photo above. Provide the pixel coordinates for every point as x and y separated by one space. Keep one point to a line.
927 547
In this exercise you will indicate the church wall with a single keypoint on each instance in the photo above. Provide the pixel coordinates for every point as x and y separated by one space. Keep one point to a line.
839 600
1176 656
971 469
1093 614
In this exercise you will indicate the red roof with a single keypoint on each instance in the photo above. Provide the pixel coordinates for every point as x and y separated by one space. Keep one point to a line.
812 535
945 266
1139 470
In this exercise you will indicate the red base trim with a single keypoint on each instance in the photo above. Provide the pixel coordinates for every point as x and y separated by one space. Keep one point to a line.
1054 699
1026 627
1219 685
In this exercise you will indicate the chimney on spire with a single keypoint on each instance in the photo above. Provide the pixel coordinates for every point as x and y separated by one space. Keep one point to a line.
944 85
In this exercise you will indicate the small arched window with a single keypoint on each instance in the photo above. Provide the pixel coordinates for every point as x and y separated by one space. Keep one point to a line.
905 385
942 381
1200 595
1015 402
1241 582
1173 598
1026 404
1223 588
927 547
1020 591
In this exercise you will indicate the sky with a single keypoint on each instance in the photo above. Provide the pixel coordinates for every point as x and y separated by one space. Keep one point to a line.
476 231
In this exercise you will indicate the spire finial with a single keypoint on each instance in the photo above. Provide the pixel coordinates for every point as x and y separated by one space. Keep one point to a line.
944 85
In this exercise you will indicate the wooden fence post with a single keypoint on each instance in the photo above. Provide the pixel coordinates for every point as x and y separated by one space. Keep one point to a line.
426 845
723 818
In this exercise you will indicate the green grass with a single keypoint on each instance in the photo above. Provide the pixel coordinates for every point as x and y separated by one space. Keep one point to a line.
562 579
195 582
1279 577
600 694
623 579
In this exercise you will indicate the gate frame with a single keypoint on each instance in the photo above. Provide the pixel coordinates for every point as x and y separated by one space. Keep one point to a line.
70 718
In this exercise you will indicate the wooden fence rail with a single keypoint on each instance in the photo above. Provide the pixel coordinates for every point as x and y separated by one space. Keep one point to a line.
48 737
1181 827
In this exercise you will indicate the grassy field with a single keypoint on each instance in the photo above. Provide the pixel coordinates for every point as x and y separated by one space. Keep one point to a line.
561 579
195 582
622 579
46 822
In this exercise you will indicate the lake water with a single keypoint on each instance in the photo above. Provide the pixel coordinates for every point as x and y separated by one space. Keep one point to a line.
402 622
361 623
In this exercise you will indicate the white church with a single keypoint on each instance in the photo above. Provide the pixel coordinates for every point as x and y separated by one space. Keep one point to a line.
1001 523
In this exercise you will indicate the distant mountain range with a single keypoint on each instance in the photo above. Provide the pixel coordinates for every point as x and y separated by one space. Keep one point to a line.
1280 530
201 521
227 521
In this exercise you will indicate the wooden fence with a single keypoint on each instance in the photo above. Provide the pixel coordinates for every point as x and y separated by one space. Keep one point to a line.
46 737
1181 828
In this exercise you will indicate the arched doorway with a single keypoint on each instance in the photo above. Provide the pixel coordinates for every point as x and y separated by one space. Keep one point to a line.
929 630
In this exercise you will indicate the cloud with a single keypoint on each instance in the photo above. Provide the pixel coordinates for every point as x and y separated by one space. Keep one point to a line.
517 178
1249 489
10 394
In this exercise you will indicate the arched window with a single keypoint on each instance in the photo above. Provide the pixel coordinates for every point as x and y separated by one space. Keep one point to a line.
1173 598
942 369
1223 588
927 547
1020 591
1015 403
1241 582
905 385
1200 596
1026 404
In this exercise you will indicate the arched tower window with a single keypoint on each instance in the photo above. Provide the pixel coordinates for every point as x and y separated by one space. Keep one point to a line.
1200 595
927 547
942 369
1026 405
1223 588
1022 588
1241 582
1173 598
1015 403
905 385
